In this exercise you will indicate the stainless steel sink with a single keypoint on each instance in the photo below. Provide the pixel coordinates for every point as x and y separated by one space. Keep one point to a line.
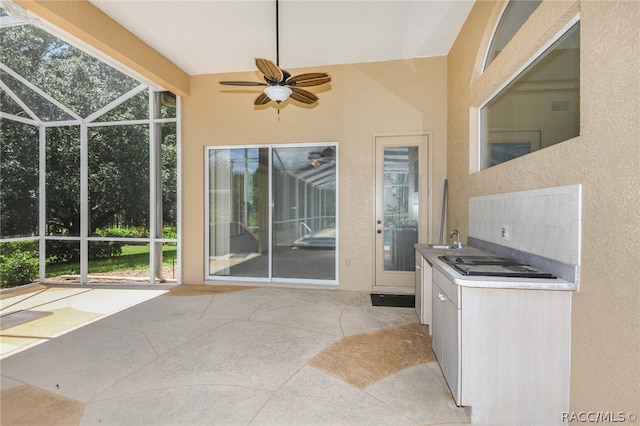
441 247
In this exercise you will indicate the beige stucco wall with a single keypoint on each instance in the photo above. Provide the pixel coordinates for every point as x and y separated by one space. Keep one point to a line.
363 100
605 159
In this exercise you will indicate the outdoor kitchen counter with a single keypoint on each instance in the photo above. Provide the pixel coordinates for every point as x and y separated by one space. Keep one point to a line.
503 344
431 255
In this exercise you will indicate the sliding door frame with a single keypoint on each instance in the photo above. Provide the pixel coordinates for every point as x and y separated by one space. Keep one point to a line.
270 279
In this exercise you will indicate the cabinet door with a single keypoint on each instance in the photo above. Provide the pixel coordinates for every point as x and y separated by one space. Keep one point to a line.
450 347
419 287
438 320
427 305
445 339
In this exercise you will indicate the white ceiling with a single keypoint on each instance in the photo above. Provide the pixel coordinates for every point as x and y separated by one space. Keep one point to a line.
217 36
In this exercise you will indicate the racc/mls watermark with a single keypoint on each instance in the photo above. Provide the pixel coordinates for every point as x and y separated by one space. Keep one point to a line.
600 417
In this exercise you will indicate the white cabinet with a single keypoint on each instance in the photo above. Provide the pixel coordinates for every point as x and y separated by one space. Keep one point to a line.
505 353
419 302
423 290
446 331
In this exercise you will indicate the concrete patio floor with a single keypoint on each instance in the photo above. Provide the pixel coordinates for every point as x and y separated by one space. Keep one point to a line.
225 355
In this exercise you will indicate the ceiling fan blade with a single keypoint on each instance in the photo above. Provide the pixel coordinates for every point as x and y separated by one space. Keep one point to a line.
303 96
271 71
242 83
310 79
262 99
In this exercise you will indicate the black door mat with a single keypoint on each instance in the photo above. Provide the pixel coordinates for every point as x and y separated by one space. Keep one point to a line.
395 300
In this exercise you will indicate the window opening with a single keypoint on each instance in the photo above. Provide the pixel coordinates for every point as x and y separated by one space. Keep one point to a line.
539 108
11 104
39 104
133 105
515 13
19 179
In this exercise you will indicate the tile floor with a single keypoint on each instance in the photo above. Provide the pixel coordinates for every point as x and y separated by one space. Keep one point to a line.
197 355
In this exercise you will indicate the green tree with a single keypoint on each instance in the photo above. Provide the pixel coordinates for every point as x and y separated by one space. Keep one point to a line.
118 156
18 179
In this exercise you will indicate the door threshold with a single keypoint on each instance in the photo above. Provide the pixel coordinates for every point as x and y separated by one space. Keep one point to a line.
386 289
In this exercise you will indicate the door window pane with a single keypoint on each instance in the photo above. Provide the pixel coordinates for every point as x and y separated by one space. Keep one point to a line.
304 212
238 212
401 202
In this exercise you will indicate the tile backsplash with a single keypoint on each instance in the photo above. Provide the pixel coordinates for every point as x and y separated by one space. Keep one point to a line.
545 222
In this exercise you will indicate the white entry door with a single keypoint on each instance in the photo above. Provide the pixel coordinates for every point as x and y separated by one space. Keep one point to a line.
401 213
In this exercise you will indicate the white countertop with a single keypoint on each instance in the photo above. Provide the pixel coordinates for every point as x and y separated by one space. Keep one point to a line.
431 255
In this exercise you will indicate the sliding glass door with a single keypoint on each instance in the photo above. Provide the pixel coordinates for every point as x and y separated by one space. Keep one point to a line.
272 213
238 213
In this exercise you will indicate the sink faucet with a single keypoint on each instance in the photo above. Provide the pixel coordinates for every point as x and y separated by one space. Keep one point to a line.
457 244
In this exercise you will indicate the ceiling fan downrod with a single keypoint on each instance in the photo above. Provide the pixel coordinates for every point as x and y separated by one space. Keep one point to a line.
277 33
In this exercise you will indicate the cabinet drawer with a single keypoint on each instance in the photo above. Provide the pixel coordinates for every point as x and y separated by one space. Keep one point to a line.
451 290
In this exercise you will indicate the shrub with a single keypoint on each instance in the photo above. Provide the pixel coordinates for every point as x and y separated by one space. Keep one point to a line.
125 232
17 267
104 249
59 251
169 232
7 249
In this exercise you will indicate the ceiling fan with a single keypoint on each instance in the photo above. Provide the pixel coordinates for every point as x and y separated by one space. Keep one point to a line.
279 84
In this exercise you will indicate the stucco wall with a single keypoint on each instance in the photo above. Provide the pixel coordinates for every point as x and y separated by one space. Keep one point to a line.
363 100
605 159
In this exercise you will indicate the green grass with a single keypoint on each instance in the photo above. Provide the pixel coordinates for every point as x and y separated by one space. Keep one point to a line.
133 257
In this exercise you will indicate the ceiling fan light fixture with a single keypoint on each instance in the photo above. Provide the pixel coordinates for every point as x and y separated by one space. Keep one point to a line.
277 93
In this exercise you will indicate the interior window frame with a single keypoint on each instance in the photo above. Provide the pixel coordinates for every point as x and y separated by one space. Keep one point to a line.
507 82
498 25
